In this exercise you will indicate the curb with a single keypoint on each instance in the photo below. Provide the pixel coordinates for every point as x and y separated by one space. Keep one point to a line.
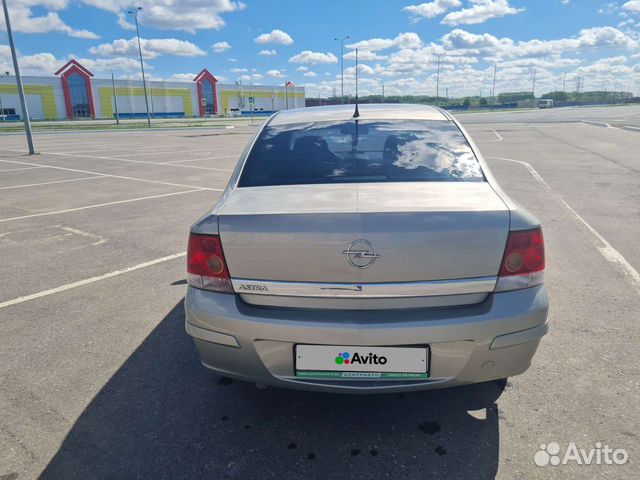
597 124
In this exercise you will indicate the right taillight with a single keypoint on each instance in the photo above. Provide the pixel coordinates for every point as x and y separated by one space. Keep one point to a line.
206 265
523 261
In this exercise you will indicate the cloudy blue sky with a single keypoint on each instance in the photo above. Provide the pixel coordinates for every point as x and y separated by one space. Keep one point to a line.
268 42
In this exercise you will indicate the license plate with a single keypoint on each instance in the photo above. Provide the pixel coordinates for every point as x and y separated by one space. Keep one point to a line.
340 361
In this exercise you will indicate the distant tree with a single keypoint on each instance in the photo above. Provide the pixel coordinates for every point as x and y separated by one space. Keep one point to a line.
466 103
483 101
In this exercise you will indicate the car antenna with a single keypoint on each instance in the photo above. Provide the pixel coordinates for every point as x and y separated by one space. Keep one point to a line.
356 114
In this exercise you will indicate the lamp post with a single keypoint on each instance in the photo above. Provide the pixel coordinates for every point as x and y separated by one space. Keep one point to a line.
341 40
115 98
252 102
144 81
16 68
493 89
533 89
438 82
286 95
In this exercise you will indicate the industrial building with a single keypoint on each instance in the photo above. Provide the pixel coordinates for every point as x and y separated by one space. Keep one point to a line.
74 93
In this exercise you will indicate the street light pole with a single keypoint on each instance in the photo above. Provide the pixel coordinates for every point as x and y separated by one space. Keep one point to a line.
16 68
533 88
144 81
115 99
493 90
286 95
438 82
342 66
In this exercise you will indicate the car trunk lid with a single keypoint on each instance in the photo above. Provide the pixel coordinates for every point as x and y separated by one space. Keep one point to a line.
414 232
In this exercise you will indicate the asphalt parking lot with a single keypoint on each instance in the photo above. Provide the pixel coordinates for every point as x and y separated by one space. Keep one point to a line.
99 380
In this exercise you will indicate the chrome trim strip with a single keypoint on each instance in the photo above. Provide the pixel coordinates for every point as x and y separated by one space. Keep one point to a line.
365 290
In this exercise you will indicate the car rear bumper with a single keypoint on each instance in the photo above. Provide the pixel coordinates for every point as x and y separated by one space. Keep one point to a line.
494 339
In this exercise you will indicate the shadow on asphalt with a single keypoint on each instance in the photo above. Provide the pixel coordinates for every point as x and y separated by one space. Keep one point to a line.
163 415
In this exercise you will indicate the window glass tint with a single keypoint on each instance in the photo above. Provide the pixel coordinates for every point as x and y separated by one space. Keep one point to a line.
207 94
359 152
79 97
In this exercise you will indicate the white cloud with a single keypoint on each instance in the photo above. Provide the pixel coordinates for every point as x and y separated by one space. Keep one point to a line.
268 52
460 52
188 77
239 70
185 15
432 9
274 73
364 55
301 69
403 40
308 56
275 36
607 66
632 6
362 69
117 63
310 74
257 76
23 20
184 77
151 48
220 47
37 64
45 63
480 12
554 62
488 45
605 37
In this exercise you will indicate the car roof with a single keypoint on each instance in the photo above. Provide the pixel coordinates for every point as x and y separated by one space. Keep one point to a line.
368 111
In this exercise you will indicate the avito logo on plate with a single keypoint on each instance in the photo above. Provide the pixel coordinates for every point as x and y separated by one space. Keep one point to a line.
345 358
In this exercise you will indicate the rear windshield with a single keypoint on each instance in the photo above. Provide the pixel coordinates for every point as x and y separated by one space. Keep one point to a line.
359 152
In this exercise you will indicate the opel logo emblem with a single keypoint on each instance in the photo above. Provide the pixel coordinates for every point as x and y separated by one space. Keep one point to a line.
361 253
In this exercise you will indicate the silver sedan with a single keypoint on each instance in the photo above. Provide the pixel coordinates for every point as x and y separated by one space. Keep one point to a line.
368 251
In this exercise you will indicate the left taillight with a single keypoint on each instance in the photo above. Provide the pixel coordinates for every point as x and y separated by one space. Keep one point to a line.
206 265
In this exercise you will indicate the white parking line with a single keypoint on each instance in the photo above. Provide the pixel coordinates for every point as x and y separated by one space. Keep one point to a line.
88 281
205 158
110 148
609 253
51 183
498 139
126 160
99 239
18 169
96 205
599 124
116 176
174 151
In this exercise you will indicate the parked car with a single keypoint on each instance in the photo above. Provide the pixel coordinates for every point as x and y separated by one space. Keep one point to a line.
368 251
